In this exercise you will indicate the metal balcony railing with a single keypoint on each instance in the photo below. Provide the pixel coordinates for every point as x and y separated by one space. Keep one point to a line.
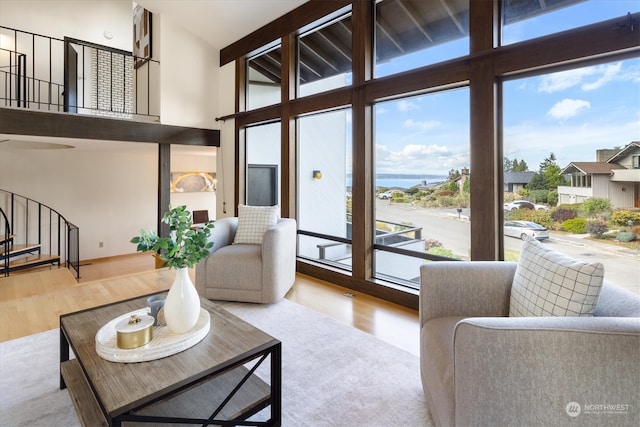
69 75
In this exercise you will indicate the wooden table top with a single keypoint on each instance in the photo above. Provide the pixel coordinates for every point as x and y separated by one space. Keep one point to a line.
124 386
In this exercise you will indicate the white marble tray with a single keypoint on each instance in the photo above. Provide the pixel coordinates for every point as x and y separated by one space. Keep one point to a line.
164 343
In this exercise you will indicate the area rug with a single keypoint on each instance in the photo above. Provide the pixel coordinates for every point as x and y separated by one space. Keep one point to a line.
332 375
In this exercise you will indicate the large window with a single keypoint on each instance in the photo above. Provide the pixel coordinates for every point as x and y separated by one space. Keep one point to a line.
262 173
414 33
263 78
422 181
526 19
412 172
564 135
324 192
324 56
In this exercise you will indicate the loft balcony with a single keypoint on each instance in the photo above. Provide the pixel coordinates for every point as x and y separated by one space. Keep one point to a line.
43 73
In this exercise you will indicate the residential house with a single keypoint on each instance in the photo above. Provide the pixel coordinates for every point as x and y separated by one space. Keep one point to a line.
614 176
516 181
271 79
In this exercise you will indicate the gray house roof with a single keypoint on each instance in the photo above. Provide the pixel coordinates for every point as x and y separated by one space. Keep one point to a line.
517 177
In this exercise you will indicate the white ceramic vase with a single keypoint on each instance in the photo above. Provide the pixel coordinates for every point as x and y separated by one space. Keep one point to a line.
182 307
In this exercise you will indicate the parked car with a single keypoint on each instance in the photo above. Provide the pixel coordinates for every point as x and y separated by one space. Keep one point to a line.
524 204
385 195
522 229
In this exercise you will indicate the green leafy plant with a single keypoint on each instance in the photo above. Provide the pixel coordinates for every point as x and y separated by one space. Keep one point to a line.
575 225
184 247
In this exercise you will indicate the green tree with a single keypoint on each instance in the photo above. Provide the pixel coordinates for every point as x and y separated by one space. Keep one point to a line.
453 175
521 167
466 187
515 165
548 176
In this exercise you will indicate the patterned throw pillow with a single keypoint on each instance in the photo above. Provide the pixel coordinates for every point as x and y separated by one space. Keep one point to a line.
548 283
253 221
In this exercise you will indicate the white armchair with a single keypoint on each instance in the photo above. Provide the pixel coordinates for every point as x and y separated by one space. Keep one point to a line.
249 272
481 367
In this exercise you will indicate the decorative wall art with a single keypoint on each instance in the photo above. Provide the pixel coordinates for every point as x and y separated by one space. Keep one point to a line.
193 182
141 35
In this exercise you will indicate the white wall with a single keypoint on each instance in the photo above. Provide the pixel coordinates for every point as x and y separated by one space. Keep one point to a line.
79 19
188 78
109 192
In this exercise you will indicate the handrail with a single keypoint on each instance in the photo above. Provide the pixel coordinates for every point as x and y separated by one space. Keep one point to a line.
63 237
6 241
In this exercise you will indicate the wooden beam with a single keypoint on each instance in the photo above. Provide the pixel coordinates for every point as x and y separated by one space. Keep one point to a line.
18 121
289 23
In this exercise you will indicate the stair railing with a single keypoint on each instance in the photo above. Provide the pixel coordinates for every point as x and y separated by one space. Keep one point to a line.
32 222
6 241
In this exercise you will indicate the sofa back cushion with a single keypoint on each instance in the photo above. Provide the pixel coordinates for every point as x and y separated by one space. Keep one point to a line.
548 283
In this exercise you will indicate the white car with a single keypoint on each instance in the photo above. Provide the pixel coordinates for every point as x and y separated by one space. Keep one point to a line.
385 195
522 229
524 204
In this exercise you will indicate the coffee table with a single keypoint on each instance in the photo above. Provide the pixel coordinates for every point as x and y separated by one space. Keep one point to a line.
215 382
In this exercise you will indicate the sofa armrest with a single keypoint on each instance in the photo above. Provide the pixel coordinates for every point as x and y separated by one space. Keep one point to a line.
279 251
517 371
465 288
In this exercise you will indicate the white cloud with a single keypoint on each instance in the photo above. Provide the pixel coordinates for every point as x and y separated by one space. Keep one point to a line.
422 125
579 77
405 106
568 108
417 158
381 110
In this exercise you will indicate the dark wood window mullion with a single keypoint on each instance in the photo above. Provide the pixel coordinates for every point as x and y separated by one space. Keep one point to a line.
288 131
486 169
362 189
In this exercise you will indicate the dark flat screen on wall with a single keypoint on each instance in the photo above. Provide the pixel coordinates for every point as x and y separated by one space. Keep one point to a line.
262 185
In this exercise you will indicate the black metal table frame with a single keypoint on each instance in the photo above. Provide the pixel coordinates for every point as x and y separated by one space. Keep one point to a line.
274 350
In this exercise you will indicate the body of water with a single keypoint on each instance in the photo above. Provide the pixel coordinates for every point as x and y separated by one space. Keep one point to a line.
403 182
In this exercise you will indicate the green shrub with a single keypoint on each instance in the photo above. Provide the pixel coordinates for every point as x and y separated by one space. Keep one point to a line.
563 214
541 217
575 225
443 252
626 236
552 198
540 196
623 216
597 228
595 206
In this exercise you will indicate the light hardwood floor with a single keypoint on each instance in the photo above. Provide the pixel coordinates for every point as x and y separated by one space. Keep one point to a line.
32 302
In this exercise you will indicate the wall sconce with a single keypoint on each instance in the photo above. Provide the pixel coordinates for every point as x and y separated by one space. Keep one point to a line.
317 175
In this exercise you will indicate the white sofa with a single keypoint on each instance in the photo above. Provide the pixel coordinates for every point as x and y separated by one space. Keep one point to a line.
261 273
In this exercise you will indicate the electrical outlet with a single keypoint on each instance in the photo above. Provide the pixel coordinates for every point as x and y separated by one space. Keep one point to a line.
100 244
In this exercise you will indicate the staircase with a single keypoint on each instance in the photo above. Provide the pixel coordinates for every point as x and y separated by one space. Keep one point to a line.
34 235
17 257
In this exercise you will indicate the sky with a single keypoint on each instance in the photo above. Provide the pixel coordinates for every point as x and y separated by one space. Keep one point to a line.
571 113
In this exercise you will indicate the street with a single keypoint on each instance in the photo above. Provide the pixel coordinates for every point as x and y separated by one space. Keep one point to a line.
620 267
